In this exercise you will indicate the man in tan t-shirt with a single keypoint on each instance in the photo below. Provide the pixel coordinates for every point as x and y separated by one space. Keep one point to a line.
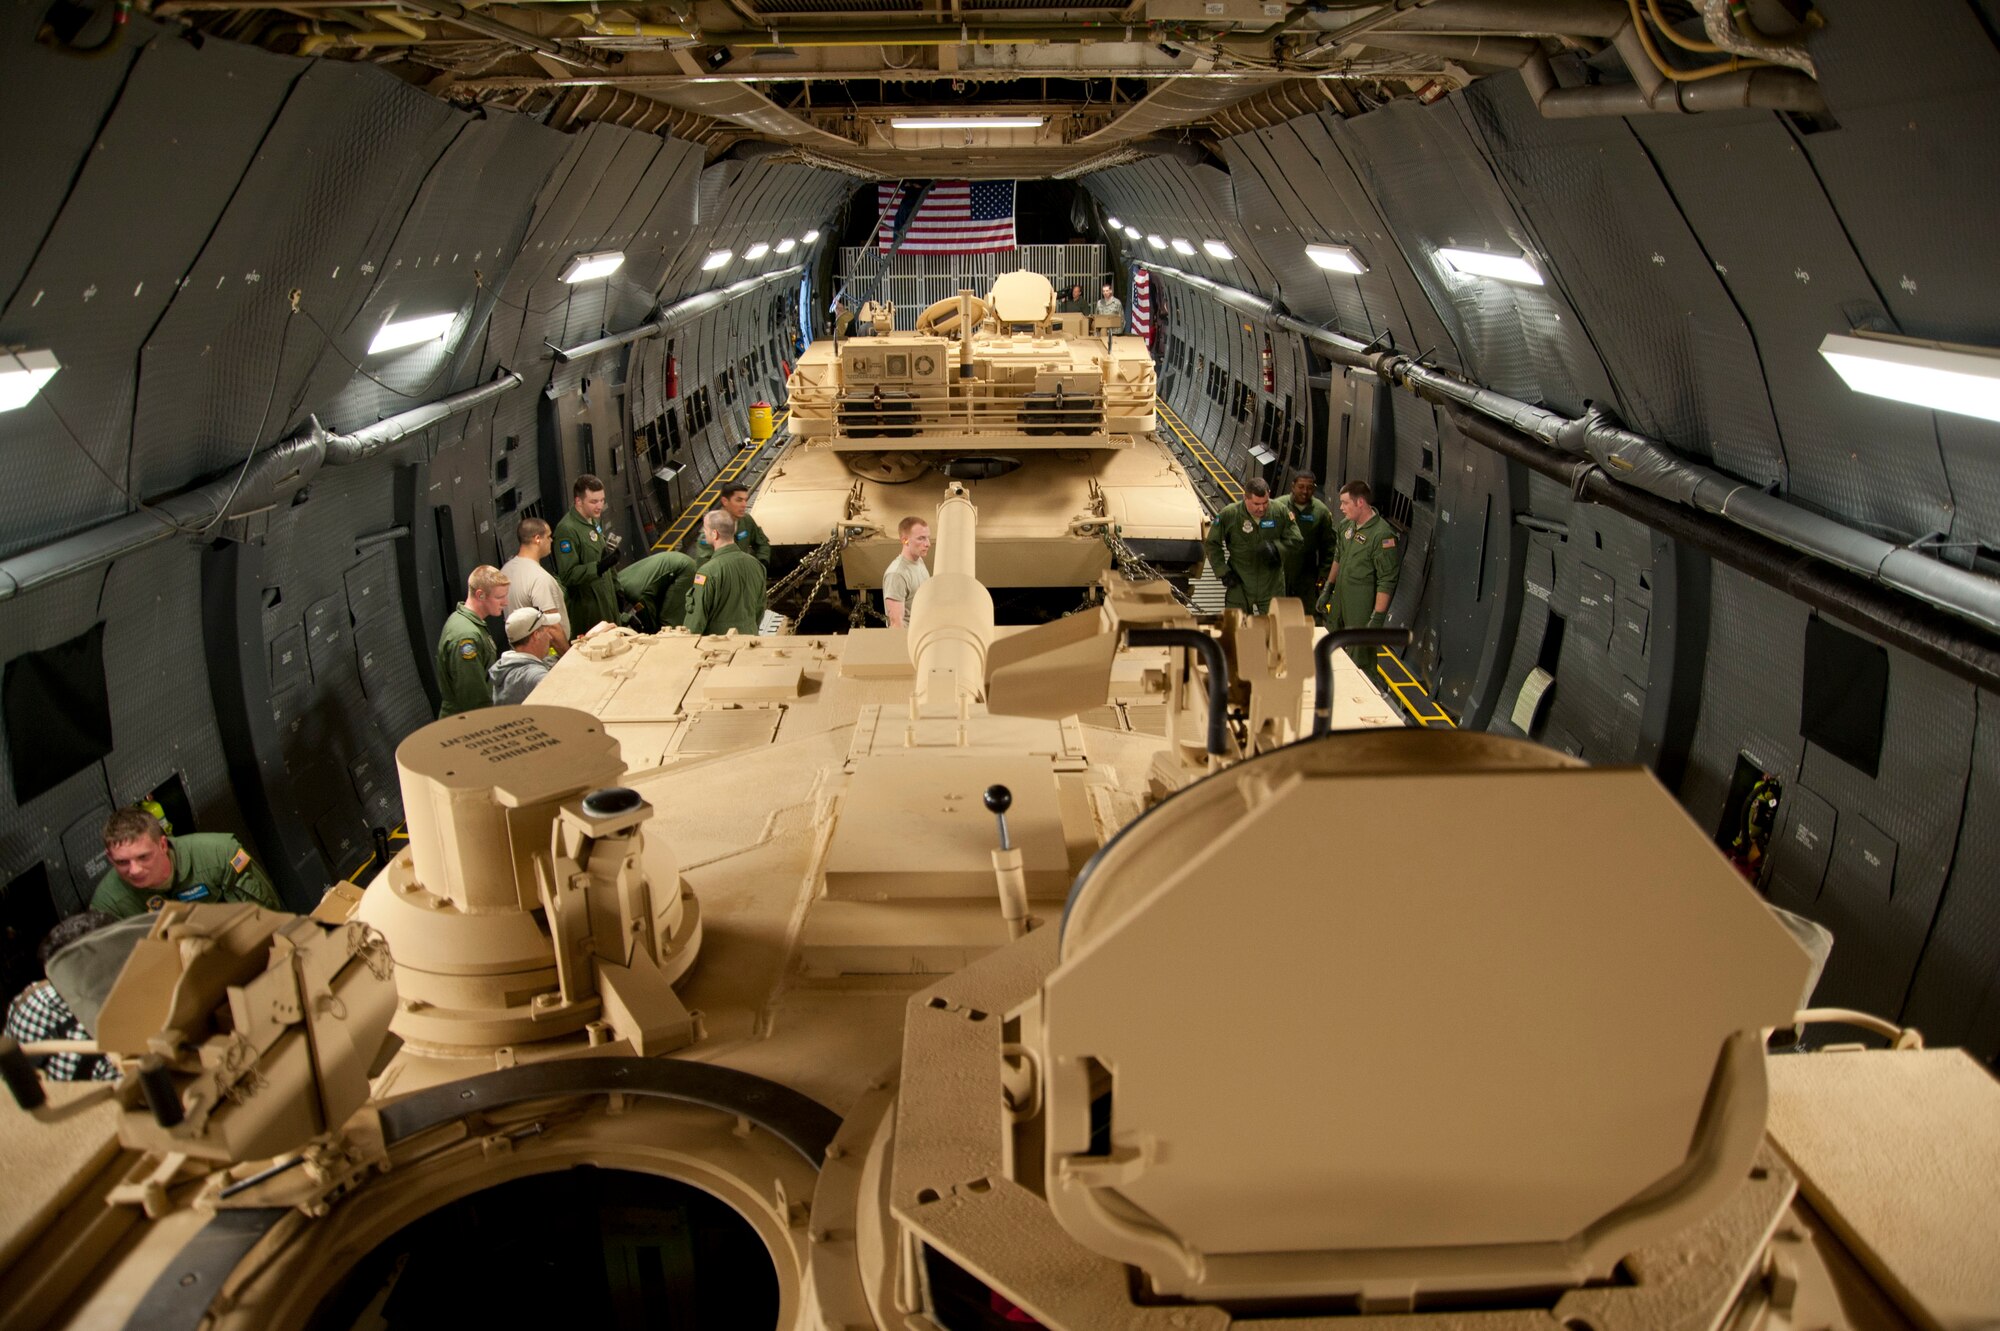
906 572
529 585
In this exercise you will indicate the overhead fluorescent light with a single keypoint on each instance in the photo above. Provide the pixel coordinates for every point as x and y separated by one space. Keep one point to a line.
1337 258
408 332
1504 267
1263 455
757 251
1181 246
787 245
715 260
968 122
1132 232
22 374
809 237
590 267
1945 376
1218 249
1156 242
1115 223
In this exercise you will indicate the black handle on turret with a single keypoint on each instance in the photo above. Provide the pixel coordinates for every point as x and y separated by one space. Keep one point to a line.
156 1083
1218 675
18 1070
1323 652
998 799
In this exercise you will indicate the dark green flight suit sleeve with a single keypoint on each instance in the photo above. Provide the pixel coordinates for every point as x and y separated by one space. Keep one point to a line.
1385 556
462 662
752 538
1217 543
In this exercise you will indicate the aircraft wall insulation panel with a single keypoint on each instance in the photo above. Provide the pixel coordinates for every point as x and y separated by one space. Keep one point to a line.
1956 994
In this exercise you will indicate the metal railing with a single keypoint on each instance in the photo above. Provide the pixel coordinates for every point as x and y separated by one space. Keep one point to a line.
913 281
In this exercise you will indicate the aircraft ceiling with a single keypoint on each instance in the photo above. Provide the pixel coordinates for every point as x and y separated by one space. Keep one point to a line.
828 79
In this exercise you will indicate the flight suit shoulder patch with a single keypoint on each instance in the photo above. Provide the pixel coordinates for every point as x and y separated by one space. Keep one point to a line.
1388 543
240 860
565 546
467 648
700 579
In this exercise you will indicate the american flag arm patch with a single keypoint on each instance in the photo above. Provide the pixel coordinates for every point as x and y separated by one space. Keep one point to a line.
240 860
1388 543
700 579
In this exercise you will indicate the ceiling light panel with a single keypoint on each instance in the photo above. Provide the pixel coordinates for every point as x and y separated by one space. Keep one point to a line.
1181 246
1116 225
968 122
787 245
1940 375
401 333
809 237
22 374
590 267
715 260
1337 258
757 251
1513 268
1132 232
1157 242
1218 249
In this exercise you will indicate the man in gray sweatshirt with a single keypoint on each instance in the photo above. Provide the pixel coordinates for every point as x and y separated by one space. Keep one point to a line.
531 635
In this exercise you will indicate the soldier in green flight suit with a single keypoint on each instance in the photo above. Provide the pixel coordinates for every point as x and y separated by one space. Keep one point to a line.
1247 546
586 554
465 649
1366 563
1306 563
729 590
646 583
733 499
149 867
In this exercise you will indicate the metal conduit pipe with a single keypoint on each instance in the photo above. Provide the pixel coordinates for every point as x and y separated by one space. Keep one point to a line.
1638 463
271 478
678 312
1323 651
452 12
1767 89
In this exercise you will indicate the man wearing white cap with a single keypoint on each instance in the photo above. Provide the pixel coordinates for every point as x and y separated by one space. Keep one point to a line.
531 635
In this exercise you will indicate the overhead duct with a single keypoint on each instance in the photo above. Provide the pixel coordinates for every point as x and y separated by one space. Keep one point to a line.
1633 462
270 478
678 312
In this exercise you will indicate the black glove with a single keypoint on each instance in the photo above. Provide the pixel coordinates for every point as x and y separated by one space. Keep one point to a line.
614 549
1232 579
1269 550
1379 620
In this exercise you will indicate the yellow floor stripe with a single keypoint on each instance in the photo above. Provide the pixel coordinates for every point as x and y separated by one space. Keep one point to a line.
398 835
690 515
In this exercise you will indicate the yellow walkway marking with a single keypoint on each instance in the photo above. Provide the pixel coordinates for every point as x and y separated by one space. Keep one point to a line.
682 525
1199 451
398 835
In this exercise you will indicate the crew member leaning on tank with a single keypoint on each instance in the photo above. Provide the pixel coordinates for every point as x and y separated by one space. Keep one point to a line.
1247 546
586 554
1366 564
649 584
1307 563
39 1012
531 643
531 585
906 572
465 649
729 590
149 867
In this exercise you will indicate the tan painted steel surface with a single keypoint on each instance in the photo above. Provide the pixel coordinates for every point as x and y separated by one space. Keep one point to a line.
875 420
1326 1031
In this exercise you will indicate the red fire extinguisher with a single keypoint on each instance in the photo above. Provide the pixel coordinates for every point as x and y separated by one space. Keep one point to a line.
673 376
1270 371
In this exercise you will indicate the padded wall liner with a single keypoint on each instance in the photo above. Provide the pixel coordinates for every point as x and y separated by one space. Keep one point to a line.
142 207
1672 340
1750 193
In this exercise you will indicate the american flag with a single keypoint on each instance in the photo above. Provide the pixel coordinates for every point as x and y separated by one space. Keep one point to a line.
955 217
1142 305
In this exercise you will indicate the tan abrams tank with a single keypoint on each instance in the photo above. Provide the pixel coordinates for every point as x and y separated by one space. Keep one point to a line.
966 977
1048 418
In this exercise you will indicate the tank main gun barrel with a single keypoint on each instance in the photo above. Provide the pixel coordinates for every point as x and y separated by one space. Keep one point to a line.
952 616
